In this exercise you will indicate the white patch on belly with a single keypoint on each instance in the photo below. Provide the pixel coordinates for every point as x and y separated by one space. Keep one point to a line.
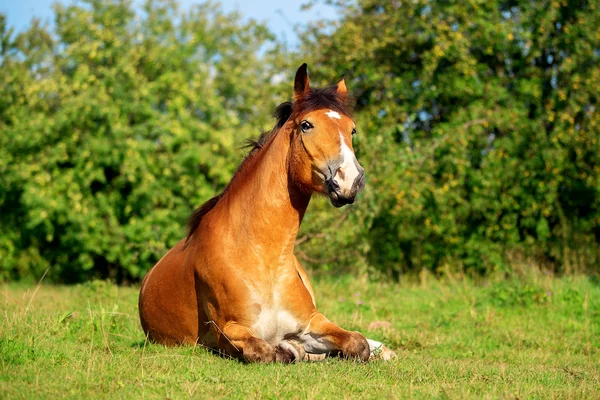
333 114
272 325
347 168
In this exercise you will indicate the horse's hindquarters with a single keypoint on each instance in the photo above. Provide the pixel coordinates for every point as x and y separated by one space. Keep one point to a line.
168 303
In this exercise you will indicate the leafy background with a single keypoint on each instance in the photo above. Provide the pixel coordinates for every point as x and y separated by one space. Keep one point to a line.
478 129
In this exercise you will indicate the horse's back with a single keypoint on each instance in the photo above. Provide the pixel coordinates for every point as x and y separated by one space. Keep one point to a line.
168 303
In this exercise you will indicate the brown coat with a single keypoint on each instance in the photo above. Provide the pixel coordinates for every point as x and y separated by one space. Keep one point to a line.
234 284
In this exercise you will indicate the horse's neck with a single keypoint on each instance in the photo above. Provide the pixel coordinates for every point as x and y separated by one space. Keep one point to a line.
265 208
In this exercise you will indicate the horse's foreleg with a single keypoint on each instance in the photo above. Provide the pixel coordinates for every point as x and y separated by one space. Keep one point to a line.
304 278
323 336
237 341
378 351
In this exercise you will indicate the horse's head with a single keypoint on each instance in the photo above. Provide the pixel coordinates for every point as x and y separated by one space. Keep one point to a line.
323 157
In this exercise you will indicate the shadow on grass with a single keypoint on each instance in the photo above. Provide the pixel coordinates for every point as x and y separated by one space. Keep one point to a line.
140 344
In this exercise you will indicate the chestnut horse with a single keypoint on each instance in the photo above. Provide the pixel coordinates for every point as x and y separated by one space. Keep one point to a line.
234 284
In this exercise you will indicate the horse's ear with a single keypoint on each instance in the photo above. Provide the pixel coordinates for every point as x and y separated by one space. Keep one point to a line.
301 83
341 90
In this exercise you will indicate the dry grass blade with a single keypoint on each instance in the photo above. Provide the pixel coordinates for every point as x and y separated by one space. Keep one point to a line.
224 335
37 288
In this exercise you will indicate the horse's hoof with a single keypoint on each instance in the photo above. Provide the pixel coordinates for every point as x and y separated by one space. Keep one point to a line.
288 352
383 354
315 357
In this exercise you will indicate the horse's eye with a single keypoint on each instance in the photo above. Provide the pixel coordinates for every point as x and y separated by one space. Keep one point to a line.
353 131
306 126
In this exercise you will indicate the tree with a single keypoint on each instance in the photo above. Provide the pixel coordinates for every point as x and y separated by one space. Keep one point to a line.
482 121
478 129
116 126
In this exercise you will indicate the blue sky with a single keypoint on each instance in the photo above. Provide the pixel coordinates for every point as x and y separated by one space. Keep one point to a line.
280 15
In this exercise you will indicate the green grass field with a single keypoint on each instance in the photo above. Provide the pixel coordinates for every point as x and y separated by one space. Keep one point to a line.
535 337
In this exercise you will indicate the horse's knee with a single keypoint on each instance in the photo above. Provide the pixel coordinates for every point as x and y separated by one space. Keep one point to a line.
257 350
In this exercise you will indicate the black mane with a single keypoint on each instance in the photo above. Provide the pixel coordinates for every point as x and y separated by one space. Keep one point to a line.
315 99
282 113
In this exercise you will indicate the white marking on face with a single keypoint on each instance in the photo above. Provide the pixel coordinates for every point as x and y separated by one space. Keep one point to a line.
347 172
333 114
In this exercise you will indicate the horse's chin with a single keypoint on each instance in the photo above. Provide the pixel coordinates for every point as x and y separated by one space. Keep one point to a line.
337 201
337 204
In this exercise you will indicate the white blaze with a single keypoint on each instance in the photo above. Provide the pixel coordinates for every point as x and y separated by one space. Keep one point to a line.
333 114
347 172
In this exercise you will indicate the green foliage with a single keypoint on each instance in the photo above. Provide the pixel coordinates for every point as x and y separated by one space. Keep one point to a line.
480 128
514 294
118 125
452 339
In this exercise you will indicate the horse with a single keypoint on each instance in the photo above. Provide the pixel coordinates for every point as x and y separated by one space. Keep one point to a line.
234 284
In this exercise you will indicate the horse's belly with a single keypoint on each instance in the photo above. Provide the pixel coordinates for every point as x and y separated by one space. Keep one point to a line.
168 301
275 324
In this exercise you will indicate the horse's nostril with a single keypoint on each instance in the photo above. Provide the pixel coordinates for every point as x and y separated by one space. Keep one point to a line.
333 186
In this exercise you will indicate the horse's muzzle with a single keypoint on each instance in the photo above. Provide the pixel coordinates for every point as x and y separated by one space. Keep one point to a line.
338 198
339 201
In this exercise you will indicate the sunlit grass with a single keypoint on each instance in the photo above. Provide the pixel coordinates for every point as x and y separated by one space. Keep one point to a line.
535 337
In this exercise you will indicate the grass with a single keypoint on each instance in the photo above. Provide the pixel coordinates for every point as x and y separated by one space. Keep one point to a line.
536 337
